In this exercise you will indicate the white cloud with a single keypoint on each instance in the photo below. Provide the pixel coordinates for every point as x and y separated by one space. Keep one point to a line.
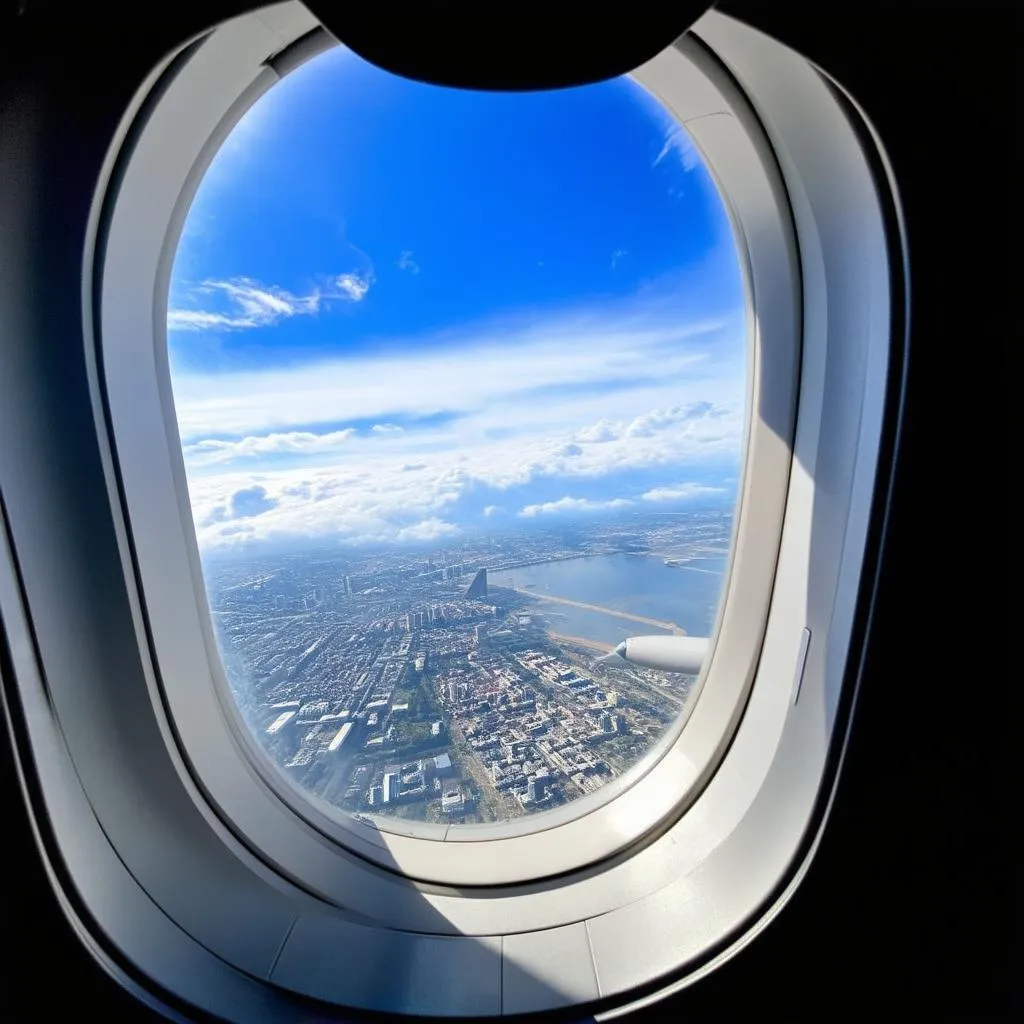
492 373
294 442
568 504
356 489
406 262
250 304
304 443
603 430
619 406
197 320
361 490
428 529
650 423
681 492
678 142
245 503
353 286
358 507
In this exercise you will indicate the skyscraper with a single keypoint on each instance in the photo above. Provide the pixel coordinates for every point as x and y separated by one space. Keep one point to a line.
478 588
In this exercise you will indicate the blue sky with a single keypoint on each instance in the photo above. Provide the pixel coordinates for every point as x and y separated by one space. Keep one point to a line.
400 312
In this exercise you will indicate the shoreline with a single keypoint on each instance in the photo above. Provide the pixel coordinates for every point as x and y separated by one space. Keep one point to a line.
580 641
670 628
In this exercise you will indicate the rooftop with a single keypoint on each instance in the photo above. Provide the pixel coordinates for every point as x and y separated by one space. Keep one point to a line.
279 722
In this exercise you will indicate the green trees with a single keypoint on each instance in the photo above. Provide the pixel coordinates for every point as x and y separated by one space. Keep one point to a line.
411 737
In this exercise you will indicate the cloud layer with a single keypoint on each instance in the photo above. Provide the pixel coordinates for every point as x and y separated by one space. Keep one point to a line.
531 420
360 487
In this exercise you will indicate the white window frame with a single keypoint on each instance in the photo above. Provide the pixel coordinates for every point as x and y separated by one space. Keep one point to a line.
156 189
199 869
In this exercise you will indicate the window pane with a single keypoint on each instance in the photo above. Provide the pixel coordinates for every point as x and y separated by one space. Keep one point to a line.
460 382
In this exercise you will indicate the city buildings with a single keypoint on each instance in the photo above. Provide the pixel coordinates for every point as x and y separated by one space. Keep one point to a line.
386 686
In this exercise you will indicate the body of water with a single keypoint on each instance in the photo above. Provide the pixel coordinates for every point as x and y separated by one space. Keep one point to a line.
640 584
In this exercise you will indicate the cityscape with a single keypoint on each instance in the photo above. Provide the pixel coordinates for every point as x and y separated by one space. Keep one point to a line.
455 684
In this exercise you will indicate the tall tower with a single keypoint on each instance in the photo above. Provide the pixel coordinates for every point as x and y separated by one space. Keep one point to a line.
478 588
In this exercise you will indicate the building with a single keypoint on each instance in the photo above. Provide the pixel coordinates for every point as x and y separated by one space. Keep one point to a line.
392 785
443 764
280 722
303 758
452 802
312 710
339 738
480 632
478 588
536 787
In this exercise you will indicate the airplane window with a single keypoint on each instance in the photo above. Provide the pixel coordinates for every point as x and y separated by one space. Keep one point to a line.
460 381
448 585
